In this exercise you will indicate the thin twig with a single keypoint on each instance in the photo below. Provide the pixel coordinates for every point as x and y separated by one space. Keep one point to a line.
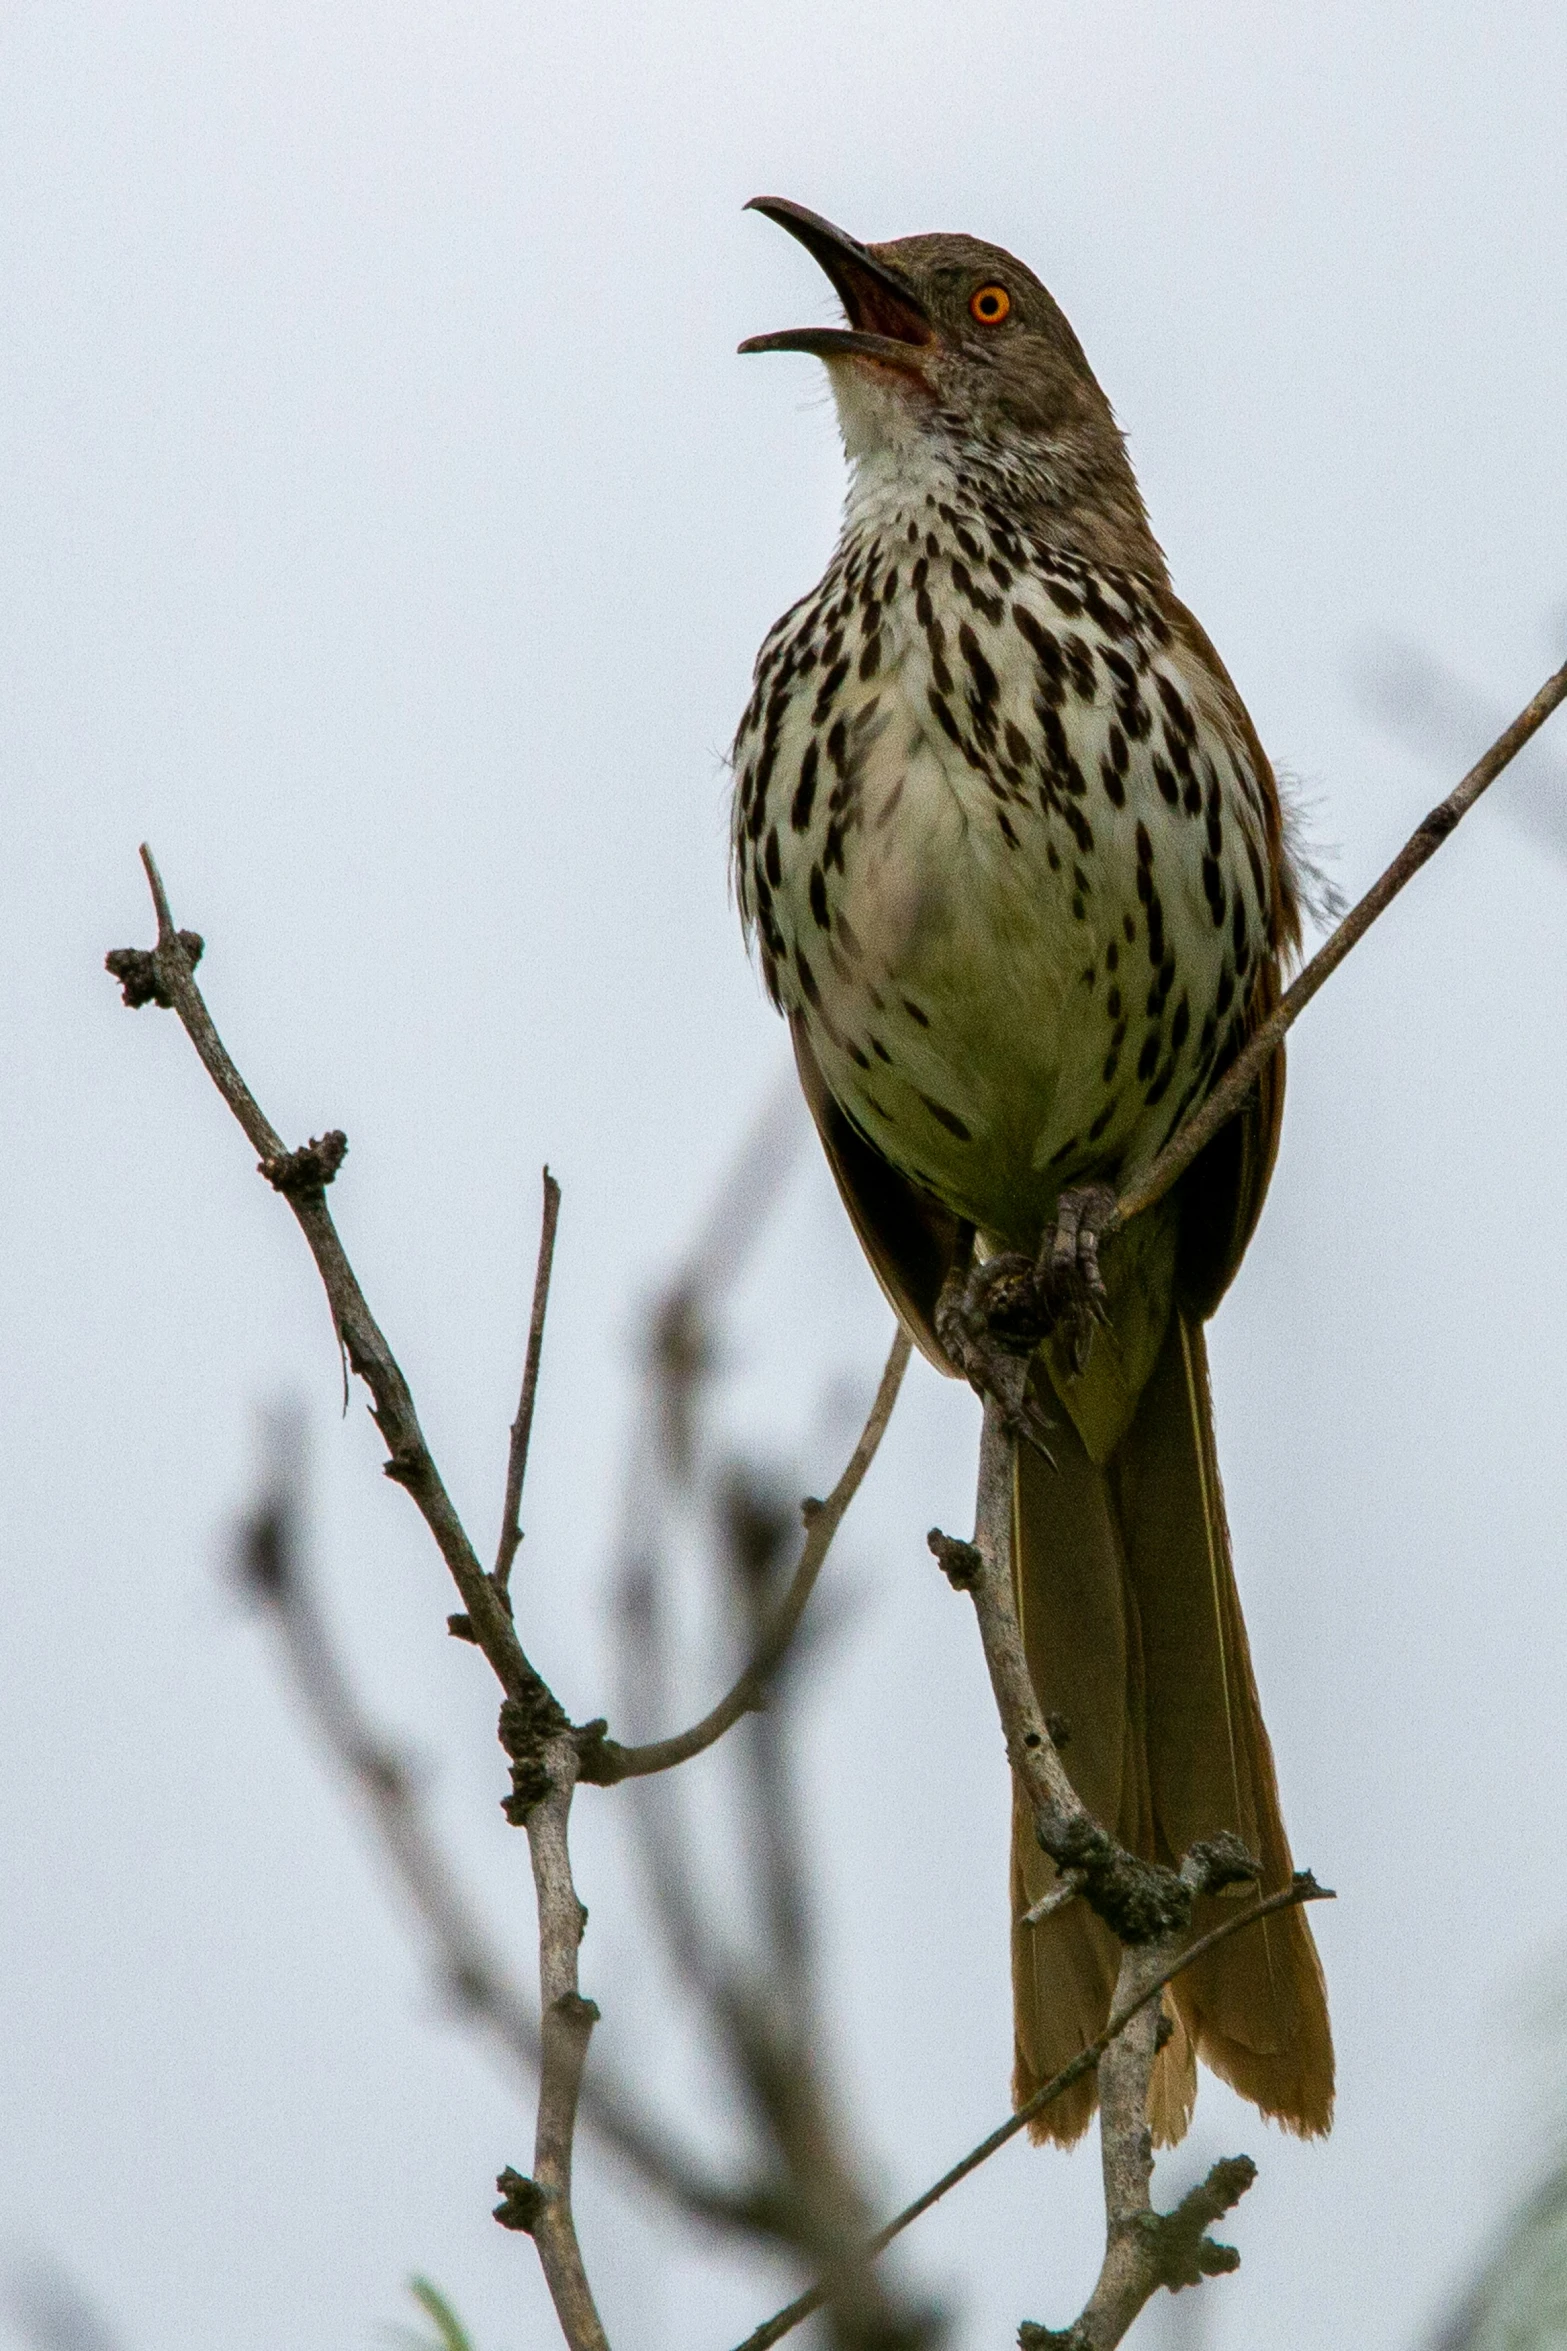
611 1761
522 1426
1303 1889
1197 1131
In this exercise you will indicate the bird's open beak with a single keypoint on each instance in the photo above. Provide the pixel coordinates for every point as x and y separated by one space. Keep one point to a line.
886 320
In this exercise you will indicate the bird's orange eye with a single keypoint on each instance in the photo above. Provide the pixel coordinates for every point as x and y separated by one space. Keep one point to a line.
990 305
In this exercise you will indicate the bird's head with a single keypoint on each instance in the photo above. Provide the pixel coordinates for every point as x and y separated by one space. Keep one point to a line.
952 342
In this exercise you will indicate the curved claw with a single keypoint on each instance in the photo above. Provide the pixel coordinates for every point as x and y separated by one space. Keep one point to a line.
1069 1265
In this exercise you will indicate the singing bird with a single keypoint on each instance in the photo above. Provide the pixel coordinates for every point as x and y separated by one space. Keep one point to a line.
1015 867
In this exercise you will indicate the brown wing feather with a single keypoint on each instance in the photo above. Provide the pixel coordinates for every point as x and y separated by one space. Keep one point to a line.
912 1241
1222 1193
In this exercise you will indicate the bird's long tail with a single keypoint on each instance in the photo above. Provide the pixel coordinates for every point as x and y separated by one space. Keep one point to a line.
1134 1634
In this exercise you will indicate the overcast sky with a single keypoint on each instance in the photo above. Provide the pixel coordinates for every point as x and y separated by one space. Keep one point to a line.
388 531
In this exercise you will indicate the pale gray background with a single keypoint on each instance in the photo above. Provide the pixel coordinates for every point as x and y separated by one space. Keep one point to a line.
388 529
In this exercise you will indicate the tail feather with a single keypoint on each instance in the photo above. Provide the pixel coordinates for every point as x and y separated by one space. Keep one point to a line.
1134 1635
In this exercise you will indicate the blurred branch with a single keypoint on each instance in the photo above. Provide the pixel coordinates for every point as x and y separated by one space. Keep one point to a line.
1437 717
51 2312
760 2011
478 1979
749 1692
1125 2011
522 1426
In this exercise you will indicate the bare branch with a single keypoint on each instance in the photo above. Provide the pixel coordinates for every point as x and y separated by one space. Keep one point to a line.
1228 1095
542 2205
544 1748
522 1426
1303 1889
536 1713
610 1761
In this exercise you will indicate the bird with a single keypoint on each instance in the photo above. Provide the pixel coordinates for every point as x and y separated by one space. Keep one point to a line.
1016 870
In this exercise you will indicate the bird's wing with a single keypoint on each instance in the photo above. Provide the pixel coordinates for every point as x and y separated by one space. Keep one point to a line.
1221 1194
912 1241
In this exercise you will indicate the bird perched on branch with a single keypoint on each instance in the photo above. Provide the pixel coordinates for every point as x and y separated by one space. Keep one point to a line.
1014 863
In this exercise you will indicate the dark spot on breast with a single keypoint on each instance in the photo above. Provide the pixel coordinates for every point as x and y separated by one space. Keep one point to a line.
1052 853
936 638
1063 599
1017 744
1080 664
774 861
1114 784
838 746
1148 1056
1078 826
944 717
1007 833
1144 849
914 1012
986 690
880 1051
1180 1026
1047 654
1176 710
1213 886
889 807
819 911
1101 1122
828 690
1259 878
813 994
947 1118
1113 1000
1165 780
1129 925
870 659
1106 615
1134 714
848 938
1112 955
1058 755
1225 995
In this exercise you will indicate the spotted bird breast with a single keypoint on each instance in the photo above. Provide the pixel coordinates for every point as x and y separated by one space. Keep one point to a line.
1003 847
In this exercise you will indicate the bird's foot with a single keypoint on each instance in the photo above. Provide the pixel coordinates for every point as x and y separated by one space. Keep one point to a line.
990 1319
1068 1268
